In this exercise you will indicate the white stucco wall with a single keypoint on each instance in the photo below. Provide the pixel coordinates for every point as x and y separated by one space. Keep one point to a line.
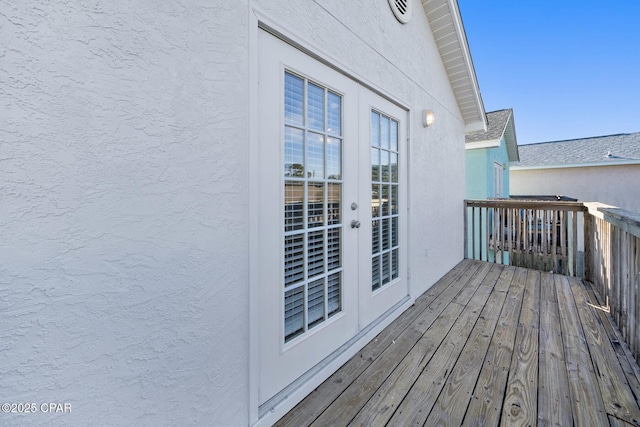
123 177
612 185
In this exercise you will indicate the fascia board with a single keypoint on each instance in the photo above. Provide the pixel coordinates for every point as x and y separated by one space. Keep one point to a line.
578 165
466 53
480 126
482 144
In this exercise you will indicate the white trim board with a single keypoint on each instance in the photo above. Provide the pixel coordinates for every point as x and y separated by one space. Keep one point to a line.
482 144
578 165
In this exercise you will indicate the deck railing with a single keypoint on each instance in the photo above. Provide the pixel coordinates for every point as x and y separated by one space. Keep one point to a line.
612 264
541 235
598 242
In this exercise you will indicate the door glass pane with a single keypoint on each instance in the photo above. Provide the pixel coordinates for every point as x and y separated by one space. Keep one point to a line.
293 259
384 132
386 268
315 107
316 302
375 236
384 200
394 135
375 165
315 156
293 205
375 129
333 248
394 167
394 231
385 235
334 198
394 264
375 273
334 158
293 99
312 204
293 152
315 207
315 253
384 165
293 312
334 114
334 304
375 200
393 201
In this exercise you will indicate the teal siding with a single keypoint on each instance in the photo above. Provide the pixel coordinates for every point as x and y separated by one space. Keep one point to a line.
500 155
480 184
477 176
479 171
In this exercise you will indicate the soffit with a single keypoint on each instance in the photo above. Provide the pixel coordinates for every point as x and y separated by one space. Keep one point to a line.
448 32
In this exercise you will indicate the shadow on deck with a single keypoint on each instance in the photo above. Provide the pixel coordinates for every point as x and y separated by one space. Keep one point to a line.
487 345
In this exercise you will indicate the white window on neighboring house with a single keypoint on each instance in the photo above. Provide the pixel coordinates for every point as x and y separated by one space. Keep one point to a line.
497 180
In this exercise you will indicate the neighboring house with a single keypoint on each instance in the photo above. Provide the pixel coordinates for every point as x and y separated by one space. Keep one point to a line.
604 169
488 156
209 207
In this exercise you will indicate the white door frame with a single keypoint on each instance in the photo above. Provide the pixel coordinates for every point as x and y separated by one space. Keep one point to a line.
374 303
283 362
267 415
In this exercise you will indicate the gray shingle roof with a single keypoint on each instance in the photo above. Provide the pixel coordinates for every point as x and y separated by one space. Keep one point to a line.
610 149
500 123
497 121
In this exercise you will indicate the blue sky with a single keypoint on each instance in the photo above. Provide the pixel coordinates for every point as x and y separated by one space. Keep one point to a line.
569 68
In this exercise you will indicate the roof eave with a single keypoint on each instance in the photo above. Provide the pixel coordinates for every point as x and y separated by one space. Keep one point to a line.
578 165
511 140
446 24
488 143
478 126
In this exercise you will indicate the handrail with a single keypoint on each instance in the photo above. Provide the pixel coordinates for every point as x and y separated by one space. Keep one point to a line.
623 219
535 204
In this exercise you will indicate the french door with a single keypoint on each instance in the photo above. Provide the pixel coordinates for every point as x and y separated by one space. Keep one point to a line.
382 192
331 211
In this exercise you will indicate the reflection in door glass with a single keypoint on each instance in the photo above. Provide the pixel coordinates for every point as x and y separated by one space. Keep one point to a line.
384 200
313 143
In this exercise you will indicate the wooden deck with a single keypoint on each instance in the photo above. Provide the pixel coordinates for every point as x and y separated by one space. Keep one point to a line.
487 345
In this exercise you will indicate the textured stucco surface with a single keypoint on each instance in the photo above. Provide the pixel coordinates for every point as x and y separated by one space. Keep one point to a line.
123 177
612 185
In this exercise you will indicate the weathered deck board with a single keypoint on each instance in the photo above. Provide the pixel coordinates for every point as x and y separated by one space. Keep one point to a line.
623 353
454 399
382 405
487 345
418 402
486 404
554 402
521 396
616 392
586 400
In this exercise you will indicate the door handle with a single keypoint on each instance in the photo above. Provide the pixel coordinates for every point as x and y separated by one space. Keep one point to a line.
355 223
